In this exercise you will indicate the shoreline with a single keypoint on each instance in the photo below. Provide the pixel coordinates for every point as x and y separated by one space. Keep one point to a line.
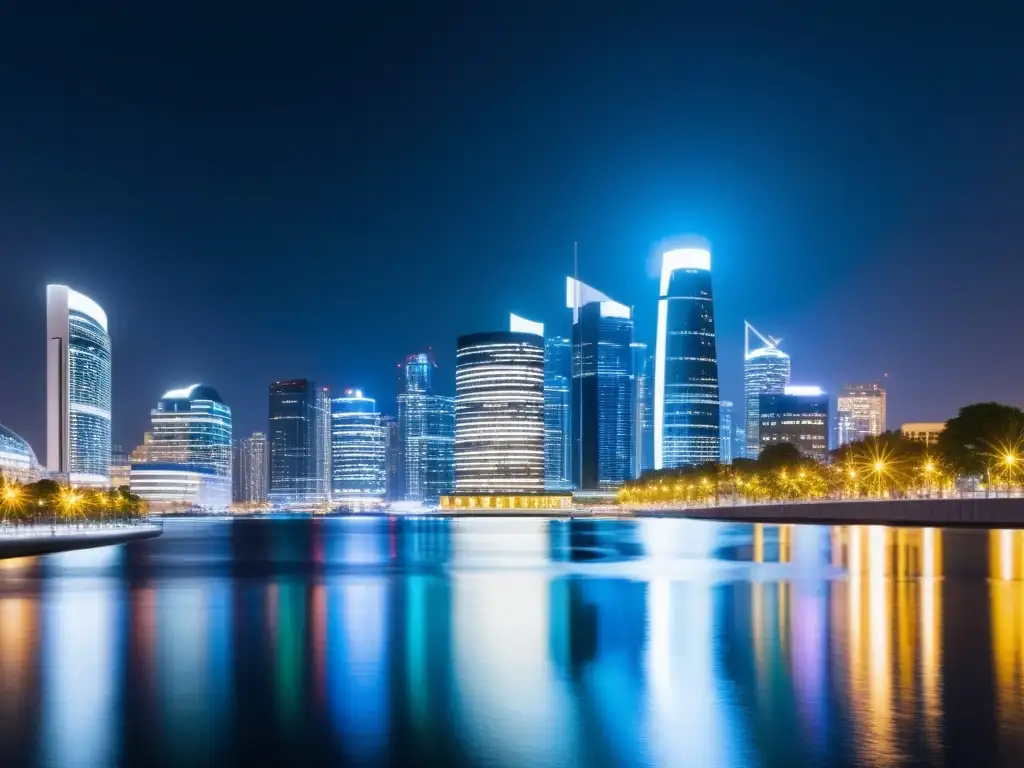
45 542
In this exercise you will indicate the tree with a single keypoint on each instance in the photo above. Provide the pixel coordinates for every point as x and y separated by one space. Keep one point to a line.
980 436
779 456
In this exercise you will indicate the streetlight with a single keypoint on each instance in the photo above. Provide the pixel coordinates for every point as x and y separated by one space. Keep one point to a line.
879 468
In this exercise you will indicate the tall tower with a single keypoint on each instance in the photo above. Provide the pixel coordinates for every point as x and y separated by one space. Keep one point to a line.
250 469
643 433
426 425
766 370
686 362
294 434
725 432
78 441
358 449
557 413
860 409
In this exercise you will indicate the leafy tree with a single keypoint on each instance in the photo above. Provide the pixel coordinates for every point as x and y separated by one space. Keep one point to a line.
779 456
980 436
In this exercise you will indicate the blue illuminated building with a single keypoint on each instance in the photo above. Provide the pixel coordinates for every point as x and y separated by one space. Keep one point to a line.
643 424
358 450
557 413
798 416
295 434
426 429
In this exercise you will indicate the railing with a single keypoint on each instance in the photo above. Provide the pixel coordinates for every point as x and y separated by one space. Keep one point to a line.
40 526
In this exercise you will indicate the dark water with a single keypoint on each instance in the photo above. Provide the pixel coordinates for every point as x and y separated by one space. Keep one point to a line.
517 643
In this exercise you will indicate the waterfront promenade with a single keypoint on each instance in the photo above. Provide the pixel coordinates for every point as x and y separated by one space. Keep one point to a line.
29 540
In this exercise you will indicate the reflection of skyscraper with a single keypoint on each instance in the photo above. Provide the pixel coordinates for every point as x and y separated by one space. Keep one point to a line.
603 395
426 424
296 464
725 431
250 469
77 387
557 413
766 371
358 454
686 365
861 412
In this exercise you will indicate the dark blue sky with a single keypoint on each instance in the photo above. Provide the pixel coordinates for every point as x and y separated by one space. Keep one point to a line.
318 194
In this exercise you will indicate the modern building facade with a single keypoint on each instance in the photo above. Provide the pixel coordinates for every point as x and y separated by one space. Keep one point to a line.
798 416
294 435
725 432
78 388
926 432
120 468
499 414
603 389
190 452
860 412
17 459
249 484
643 405
393 450
358 450
324 444
766 371
426 425
557 413
686 397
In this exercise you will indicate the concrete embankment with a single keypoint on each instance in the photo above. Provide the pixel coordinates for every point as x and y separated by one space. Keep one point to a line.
980 512
44 541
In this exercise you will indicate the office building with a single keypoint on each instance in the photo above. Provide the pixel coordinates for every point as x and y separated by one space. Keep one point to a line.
798 416
603 389
643 404
926 432
189 454
393 451
860 412
140 454
426 426
294 435
766 371
725 432
249 484
686 362
77 388
358 450
17 459
557 413
120 468
324 449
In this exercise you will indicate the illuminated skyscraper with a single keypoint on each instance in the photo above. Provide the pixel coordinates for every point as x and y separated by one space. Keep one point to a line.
686 363
643 422
603 389
250 470
798 416
17 459
358 450
557 413
426 426
393 451
861 412
77 388
294 434
190 451
725 432
323 443
766 371
499 413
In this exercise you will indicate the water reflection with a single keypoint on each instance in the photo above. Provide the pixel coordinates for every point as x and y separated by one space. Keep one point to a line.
518 642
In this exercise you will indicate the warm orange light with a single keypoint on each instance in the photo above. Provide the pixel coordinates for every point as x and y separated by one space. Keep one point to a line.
879 466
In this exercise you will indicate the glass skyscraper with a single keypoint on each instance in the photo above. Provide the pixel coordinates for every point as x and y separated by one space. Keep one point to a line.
17 459
557 413
426 425
686 362
294 435
860 409
603 390
766 370
77 388
358 450
643 422
249 467
798 416
725 432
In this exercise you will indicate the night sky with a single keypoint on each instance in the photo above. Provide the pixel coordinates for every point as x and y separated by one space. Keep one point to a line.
318 194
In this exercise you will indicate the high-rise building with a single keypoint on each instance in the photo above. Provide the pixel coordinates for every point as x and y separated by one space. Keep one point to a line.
190 451
17 459
359 463
294 435
324 451
120 468
860 410
499 413
643 405
798 416
426 425
77 388
393 451
686 362
249 485
926 432
557 413
603 389
725 432
766 371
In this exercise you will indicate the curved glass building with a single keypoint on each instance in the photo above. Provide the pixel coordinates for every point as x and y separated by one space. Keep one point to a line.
766 371
686 419
77 388
499 413
17 459
358 449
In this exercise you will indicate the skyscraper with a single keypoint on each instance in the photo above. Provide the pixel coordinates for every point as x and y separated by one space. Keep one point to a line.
17 459
499 413
323 444
557 413
294 434
77 388
798 416
643 421
358 450
190 451
393 451
603 389
725 432
860 409
426 425
766 371
686 363
250 470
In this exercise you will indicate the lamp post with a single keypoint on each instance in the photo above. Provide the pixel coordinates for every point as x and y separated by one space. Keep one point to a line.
879 468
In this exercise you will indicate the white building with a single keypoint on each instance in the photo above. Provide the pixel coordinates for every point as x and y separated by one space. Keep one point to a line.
860 410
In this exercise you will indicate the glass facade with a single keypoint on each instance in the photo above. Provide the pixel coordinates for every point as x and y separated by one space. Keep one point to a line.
358 450
249 484
796 417
499 413
603 396
860 409
294 435
725 432
643 422
686 420
766 371
17 459
557 413
426 424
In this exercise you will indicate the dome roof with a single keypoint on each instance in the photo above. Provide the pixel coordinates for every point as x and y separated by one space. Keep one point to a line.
194 392
15 452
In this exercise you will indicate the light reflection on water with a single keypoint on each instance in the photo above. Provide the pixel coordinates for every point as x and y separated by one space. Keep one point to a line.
517 643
